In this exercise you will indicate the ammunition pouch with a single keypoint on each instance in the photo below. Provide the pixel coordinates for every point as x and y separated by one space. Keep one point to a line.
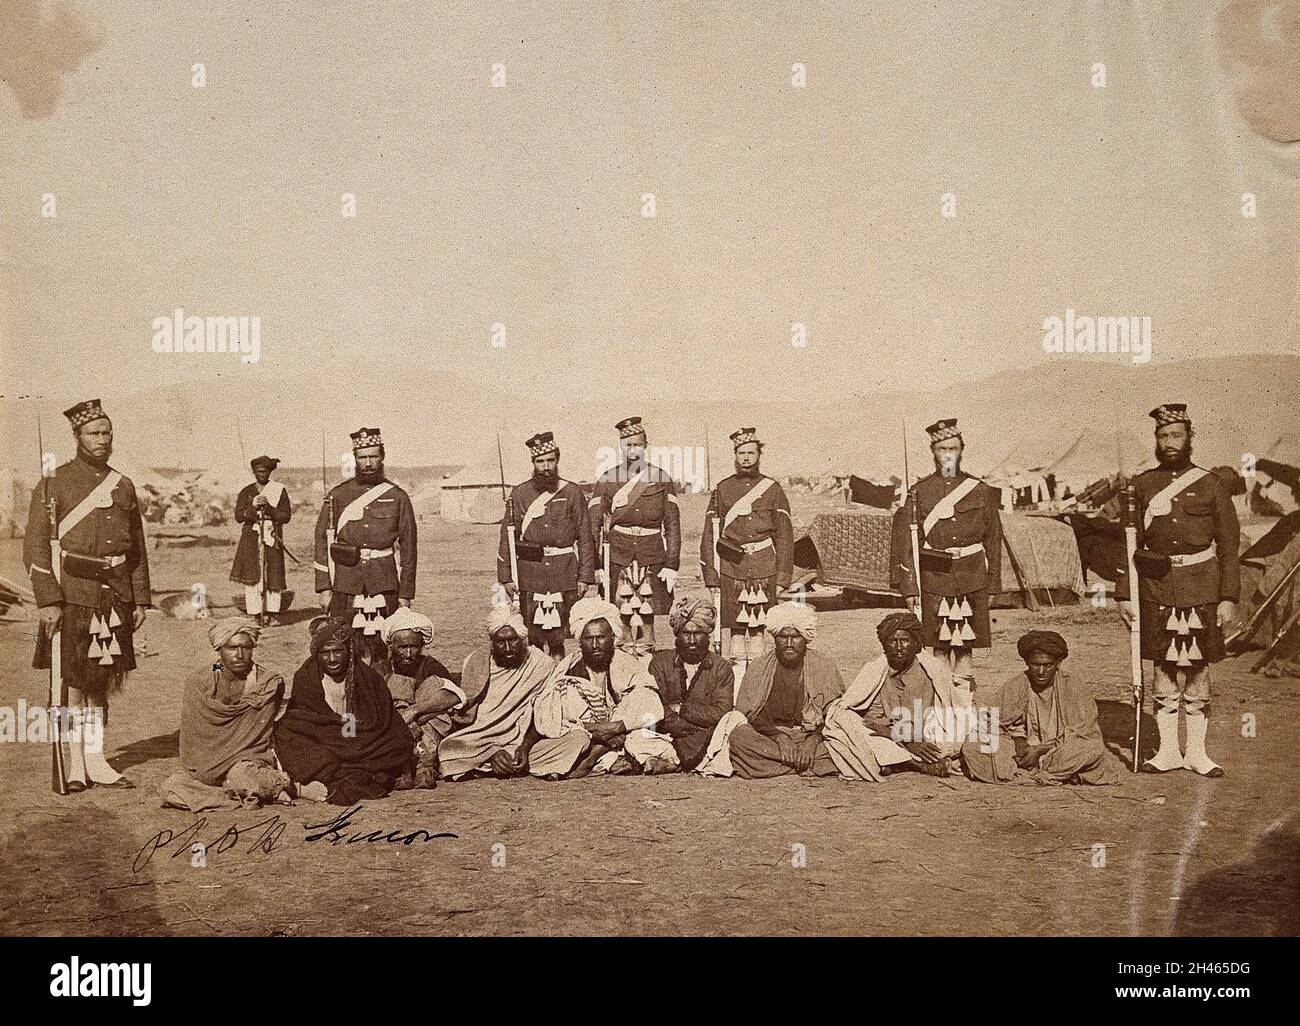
89 568
344 554
1154 566
529 552
936 561
730 551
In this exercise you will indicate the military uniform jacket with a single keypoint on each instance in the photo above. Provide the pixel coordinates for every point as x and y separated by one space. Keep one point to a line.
751 521
1200 515
385 521
246 570
974 521
556 520
638 502
112 526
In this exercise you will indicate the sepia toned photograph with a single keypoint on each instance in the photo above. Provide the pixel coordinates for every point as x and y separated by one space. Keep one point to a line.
650 469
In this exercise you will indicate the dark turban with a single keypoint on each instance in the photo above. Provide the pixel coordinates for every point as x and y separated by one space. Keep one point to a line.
1048 642
901 621
325 629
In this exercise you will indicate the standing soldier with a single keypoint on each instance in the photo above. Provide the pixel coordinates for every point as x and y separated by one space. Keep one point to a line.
747 549
263 508
1189 582
365 546
547 526
633 510
960 557
97 599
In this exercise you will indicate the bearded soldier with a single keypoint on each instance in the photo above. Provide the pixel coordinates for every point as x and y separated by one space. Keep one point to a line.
747 548
633 510
263 508
97 598
365 546
960 535
547 528
1189 582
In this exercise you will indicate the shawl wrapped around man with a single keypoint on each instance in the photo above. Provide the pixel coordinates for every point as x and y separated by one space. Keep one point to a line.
1064 718
822 685
354 765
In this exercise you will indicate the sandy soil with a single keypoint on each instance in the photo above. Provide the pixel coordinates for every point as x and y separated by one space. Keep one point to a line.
676 855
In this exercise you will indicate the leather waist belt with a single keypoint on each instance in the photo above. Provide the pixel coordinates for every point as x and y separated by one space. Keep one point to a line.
376 553
965 550
758 546
1192 558
553 550
107 562
639 532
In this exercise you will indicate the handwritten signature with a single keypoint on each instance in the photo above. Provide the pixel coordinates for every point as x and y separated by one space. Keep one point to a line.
184 842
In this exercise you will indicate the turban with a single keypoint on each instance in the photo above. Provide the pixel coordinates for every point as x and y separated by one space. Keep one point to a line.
325 629
222 631
696 609
894 622
406 620
1048 642
505 616
798 615
592 608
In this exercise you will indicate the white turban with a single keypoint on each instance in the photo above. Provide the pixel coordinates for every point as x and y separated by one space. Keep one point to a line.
506 616
594 608
405 619
798 615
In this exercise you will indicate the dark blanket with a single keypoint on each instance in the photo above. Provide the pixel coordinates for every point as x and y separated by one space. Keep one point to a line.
312 744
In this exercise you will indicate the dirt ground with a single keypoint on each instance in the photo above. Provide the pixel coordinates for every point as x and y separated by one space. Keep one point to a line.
661 855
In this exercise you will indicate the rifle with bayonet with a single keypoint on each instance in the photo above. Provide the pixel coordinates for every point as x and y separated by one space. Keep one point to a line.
510 526
58 772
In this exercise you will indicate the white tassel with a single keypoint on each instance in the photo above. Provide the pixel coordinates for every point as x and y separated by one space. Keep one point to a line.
1172 655
358 621
1172 623
967 632
945 632
1182 658
965 610
1194 652
944 610
1194 621
93 651
114 649
114 620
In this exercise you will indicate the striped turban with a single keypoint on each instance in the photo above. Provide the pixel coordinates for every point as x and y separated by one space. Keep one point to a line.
692 609
325 629
894 622
798 615
222 631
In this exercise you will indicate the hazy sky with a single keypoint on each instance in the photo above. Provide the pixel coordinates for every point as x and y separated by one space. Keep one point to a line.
522 205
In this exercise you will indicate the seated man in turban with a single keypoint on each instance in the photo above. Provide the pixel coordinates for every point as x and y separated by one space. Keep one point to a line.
598 711
227 715
492 733
1051 721
696 685
422 688
341 739
901 711
776 727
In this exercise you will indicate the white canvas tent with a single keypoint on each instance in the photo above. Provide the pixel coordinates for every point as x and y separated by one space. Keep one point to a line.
473 494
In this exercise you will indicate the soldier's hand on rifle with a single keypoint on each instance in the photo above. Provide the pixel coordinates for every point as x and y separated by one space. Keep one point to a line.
913 604
602 578
512 591
261 502
405 603
1227 612
1125 611
137 618
714 589
325 597
50 617
669 576
584 590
